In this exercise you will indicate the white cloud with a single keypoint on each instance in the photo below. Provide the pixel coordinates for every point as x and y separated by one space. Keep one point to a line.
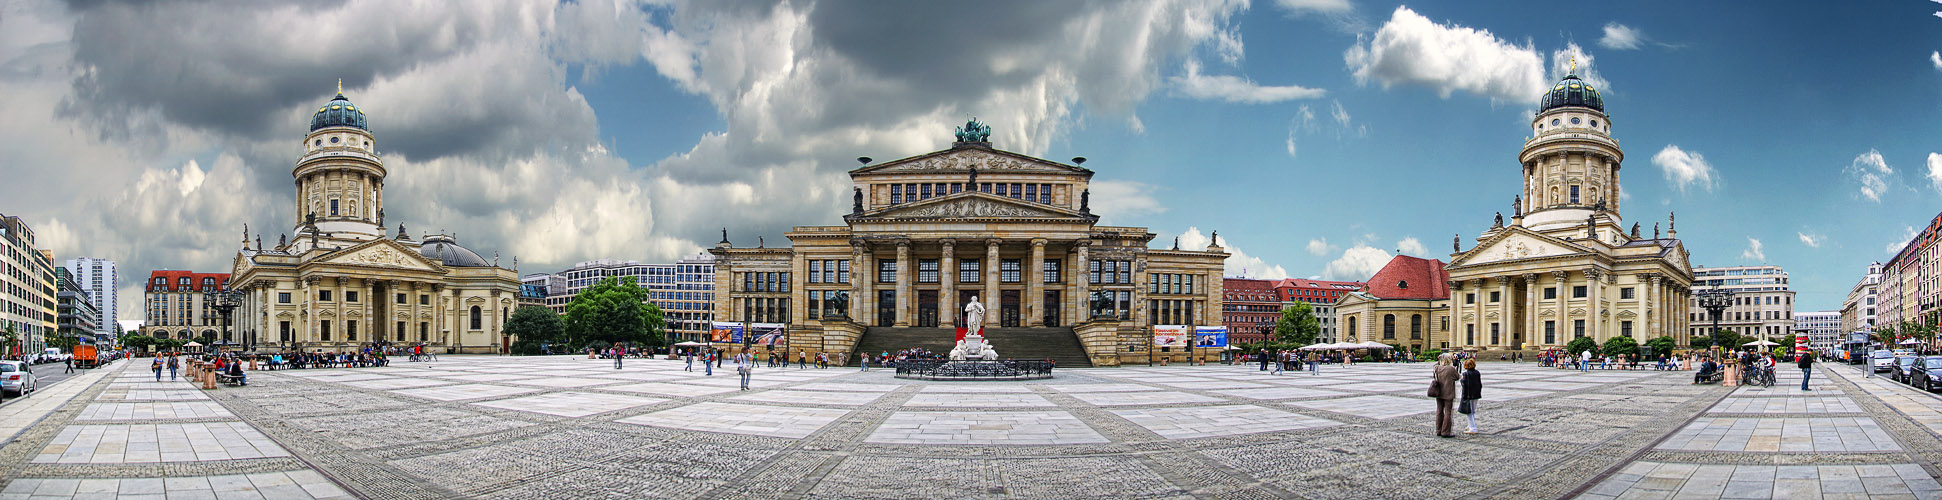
1935 171
1412 247
1573 59
1239 263
1686 169
1339 113
1113 199
1319 247
1357 263
1291 141
1935 58
1323 6
1621 37
1872 172
1908 233
1754 251
1811 240
1410 49
1236 89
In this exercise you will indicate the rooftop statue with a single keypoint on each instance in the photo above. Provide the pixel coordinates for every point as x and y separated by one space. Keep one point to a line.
973 131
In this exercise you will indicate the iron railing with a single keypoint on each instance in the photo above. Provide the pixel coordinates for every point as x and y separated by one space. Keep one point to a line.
1007 369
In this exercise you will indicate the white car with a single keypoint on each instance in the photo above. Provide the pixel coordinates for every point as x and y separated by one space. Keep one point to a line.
1882 360
16 378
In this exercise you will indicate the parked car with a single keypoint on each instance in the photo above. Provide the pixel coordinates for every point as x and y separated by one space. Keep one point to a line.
17 379
1904 368
1928 373
1882 360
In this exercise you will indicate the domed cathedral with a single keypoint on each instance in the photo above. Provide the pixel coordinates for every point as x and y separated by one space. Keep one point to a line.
924 236
1565 265
339 281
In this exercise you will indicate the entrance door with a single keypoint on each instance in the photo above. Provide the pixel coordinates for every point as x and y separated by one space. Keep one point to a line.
927 308
1008 308
1052 308
886 308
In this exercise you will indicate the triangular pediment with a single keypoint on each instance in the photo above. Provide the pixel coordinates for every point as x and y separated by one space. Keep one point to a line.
966 158
1516 243
381 253
971 205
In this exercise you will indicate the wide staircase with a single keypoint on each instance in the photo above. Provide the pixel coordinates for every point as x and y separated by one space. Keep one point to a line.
1058 344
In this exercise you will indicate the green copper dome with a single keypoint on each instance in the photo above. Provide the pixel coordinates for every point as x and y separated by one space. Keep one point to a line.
339 112
1571 91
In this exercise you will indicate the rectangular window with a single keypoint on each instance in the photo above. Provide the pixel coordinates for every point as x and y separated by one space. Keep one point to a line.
1625 328
283 297
927 270
424 300
1003 189
1550 332
333 207
1045 193
1470 334
896 194
350 296
926 192
1574 194
1009 271
1494 298
1578 292
1470 298
283 330
1125 272
1095 272
1577 328
350 330
401 300
1187 285
1496 333
1627 293
323 295
1017 190
1053 273
815 271
956 187
1031 192
829 271
1550 292
969 270
886 271
323 330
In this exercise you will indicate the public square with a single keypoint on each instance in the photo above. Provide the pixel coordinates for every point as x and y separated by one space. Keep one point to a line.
570 427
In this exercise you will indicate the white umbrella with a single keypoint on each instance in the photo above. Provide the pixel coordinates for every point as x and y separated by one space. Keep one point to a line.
1759 343
1231 348
1911 342
192 344
689 344
1314 347
1345 345
1375 345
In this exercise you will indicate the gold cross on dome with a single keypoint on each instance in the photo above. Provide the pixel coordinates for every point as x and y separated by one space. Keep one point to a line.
340 86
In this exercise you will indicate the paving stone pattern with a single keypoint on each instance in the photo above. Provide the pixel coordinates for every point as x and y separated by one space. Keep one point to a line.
570 427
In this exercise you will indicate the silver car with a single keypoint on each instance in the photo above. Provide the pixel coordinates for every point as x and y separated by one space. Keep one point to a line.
17 379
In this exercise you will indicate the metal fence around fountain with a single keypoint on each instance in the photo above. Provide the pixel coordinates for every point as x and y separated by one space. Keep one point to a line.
1004 369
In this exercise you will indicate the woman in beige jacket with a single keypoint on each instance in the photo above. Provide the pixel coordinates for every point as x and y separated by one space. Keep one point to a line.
1444 390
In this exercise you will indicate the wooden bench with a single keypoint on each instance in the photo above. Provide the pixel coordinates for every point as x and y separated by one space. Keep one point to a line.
227 379
1716 377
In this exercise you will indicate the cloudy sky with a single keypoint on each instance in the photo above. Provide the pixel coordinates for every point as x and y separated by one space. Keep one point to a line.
1320 136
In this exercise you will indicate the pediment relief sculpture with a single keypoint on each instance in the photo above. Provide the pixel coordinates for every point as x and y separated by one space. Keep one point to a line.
970 207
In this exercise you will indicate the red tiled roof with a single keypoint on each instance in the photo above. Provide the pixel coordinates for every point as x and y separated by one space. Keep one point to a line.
1408 277
172 281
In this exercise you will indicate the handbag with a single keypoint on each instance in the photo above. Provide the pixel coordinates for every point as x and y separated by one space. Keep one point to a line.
1436 390
1467 406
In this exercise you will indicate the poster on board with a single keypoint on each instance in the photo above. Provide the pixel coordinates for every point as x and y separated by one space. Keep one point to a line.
725 333
1210 336
769 334
1169 335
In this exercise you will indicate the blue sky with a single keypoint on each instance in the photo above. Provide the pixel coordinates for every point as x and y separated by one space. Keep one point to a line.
1319 136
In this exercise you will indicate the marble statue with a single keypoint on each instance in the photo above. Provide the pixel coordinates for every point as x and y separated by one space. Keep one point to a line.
856 204
1517 205
1085 201
1498 221
973 346
1456 243
1635 230
972 185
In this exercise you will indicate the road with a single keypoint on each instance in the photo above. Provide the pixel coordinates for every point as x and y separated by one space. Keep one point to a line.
49 374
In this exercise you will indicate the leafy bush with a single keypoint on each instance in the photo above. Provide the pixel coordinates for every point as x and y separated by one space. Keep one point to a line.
1621 345
527 348
1580 345
1429 354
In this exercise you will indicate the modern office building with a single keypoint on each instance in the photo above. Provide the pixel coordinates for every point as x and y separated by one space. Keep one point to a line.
1859 310
684 290
1763 302
1823 329
76 316
99 279
26 288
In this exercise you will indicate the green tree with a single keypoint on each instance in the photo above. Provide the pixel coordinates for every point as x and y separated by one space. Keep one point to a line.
1662 346
613 311
1297 325
1700 342
1621 345
8 340
535 325
1581 344
137 341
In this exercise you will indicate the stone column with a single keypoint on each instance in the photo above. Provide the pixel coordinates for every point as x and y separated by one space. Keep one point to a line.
1504 316
1456 318
990 294
1648 286
1082 283
947 285
1533 329
1563 314
1594 281
903 283
859 294
337 336
1483 300
1035 285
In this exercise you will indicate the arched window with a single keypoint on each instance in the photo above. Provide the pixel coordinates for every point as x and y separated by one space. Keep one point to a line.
1416 327
476 318
1388 326
1352 331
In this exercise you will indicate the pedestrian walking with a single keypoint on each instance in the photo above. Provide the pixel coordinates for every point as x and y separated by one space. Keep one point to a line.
1584 362
866 362
1264 360
70 364
708 364
743 368
1443 389
1280 360
173 365
1472 391
691 361
1314 363
618 353
1806 364
157 367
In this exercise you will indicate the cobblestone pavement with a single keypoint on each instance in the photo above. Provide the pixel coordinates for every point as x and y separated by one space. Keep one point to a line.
1843 439
566 427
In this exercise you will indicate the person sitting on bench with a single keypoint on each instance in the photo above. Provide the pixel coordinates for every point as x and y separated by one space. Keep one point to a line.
1707 369
235 372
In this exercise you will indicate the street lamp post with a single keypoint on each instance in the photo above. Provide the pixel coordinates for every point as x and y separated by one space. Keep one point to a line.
225 301
1715 301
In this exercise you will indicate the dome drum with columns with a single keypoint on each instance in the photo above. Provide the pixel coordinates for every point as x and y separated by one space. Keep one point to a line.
344 282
